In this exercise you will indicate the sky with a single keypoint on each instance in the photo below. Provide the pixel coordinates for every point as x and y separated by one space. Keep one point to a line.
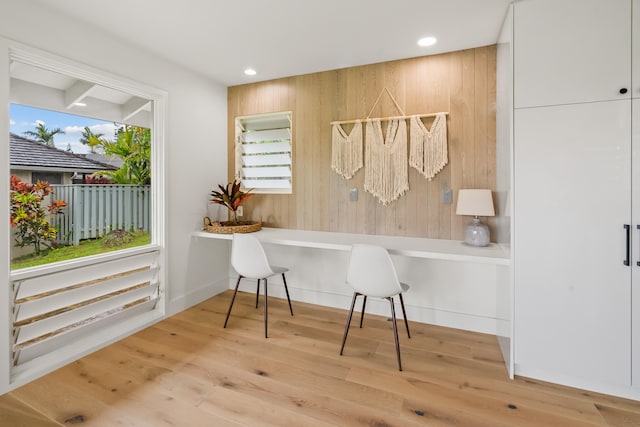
24 119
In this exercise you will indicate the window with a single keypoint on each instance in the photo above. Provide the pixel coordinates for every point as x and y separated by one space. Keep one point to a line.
96 162
64 309
50 177
264 152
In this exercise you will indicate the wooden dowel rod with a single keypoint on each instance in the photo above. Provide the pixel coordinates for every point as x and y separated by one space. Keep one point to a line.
382 119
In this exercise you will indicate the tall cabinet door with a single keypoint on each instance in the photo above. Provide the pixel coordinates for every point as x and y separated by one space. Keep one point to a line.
635 129
572 200
635 24
571 51
635 261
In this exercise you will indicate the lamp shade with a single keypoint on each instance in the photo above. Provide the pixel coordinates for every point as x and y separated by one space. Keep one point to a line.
475 202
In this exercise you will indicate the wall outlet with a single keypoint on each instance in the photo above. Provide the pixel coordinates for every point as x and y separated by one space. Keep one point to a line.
447 196
353 194
240 211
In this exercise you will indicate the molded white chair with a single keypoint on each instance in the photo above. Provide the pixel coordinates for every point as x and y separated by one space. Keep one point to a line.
250 261
371 273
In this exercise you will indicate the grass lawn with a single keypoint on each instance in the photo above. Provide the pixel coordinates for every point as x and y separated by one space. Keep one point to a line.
86 248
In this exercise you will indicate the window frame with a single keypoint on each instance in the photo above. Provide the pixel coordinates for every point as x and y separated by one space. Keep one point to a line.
280 126
33 57
11 378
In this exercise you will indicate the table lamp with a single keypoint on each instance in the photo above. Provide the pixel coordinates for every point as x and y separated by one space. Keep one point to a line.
476 203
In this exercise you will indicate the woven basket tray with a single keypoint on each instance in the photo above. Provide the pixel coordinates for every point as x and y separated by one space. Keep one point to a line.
228 227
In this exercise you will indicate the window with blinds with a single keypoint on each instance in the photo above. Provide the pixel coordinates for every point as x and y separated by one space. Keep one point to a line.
264 152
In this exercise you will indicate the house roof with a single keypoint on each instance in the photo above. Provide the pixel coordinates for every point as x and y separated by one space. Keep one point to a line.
105 159
27 154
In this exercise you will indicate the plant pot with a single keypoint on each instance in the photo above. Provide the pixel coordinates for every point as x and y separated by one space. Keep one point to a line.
229 227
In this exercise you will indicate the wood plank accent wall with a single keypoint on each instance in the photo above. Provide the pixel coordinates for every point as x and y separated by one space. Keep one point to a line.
463 83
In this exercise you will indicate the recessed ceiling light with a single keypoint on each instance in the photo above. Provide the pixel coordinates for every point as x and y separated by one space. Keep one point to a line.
250 72
79 104
427 41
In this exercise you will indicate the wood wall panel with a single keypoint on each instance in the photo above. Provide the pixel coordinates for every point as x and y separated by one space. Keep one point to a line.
463 83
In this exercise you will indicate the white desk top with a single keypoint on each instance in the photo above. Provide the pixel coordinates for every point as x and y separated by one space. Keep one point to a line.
452 250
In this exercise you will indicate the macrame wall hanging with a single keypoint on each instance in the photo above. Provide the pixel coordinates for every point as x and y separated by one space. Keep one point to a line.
386 175
385 166
428 148
346 150
385 156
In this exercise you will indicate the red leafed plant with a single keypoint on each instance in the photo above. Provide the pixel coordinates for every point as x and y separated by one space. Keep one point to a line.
28 215
231 196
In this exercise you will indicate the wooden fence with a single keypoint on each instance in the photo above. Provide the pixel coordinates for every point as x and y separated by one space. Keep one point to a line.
94 210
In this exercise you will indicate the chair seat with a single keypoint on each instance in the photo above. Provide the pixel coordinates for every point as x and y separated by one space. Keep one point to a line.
278 270
405 287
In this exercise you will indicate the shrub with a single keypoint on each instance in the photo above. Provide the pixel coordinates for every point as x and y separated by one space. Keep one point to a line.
29 217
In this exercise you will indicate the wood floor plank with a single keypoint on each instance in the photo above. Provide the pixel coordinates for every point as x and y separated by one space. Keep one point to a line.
189 371
15 413
65 404
482 407
281 370
619 417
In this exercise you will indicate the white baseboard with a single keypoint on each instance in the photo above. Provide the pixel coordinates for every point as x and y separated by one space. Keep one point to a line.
197 296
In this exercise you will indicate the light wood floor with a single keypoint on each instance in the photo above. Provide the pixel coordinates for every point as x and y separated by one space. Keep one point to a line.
188 371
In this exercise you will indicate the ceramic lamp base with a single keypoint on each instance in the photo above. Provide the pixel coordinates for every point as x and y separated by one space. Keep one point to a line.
477 234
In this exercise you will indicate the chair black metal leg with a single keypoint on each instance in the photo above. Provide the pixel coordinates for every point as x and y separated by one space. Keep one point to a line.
232 299
287 291
395 332
346 328
404 314
257 293
266 315
364 303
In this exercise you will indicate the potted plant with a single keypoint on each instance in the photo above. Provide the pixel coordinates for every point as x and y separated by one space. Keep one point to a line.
230 196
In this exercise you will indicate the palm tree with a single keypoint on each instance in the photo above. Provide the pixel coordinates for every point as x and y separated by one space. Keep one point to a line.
91 139
44 135
133 146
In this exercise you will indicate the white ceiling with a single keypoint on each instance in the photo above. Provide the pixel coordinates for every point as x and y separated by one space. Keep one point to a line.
279 38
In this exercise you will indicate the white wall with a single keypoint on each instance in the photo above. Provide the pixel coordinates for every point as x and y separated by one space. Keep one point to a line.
504 178
195 145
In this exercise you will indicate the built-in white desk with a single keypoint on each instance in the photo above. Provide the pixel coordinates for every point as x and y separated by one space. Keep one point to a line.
451 250
452 284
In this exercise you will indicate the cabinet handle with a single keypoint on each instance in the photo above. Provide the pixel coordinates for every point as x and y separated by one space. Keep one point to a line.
623 90
638 227
627 227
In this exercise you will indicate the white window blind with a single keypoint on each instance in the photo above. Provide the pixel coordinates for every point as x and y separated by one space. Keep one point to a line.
264 152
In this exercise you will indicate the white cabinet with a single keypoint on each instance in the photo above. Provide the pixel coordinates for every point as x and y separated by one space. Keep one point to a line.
571 51
576 187
572 198
635 84
635 253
